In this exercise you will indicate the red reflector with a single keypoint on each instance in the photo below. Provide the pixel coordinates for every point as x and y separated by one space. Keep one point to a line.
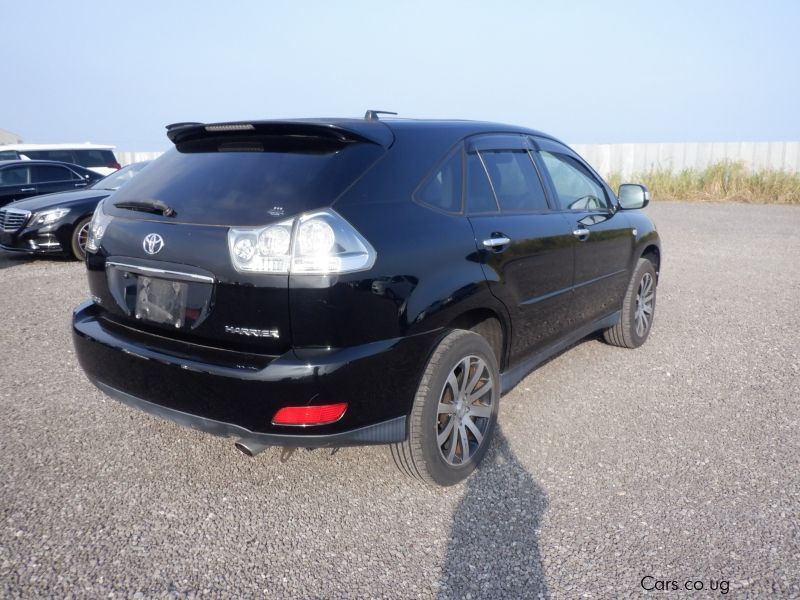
321 414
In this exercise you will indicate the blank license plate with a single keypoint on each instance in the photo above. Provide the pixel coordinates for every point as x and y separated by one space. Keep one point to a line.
161 301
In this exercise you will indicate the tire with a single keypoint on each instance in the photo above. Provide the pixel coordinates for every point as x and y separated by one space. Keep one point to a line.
461 354
638 309
79 238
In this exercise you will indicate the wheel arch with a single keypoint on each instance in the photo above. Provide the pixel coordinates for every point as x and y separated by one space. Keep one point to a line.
652 253
490 325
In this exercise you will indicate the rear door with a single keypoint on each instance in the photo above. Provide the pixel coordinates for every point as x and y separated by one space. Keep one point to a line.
15 183
526 247
215 184
604 236
55 178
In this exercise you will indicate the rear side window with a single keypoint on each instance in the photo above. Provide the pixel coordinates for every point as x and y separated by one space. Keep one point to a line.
15 176
8 155
515 181
577 189
45 173
248 188
443 189
94 158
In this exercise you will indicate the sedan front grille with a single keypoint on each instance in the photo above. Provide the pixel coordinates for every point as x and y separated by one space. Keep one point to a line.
12 219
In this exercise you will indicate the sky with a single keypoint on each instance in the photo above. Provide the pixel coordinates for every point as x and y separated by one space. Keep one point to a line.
587 72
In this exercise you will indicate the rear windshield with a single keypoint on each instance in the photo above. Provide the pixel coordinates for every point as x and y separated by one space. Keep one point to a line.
246 188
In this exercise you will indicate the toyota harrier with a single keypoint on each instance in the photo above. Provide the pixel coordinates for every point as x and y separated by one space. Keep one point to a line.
318 283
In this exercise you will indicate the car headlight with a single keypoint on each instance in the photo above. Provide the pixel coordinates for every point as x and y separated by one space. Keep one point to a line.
97 227
46 217
316 243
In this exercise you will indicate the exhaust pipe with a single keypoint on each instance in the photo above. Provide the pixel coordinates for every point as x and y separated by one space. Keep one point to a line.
250 447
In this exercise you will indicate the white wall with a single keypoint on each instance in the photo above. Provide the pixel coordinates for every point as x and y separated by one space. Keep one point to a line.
629 159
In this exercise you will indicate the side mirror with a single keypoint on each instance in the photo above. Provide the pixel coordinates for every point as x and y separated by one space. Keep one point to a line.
633 195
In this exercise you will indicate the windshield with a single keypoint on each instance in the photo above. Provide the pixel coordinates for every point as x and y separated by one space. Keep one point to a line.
119 178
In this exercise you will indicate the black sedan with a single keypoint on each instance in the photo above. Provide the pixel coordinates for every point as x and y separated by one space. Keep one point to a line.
24 178
57 223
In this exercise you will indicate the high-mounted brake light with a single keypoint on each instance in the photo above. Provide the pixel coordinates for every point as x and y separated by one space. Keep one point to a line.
230 127
322 414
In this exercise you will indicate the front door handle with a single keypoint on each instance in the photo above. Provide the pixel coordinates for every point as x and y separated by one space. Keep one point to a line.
581 233
80 185
496 243
28 189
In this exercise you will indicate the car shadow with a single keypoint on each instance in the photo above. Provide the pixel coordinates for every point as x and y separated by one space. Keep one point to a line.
494 540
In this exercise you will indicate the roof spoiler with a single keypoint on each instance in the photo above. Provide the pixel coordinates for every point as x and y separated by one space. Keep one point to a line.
344 132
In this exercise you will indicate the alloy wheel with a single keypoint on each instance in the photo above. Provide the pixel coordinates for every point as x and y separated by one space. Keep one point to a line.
645 297
465 410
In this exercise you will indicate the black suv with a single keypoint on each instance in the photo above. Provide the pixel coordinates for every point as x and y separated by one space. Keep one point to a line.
318 283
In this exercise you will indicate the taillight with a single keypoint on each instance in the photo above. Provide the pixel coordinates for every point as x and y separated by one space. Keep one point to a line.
114 165
321 414
315 243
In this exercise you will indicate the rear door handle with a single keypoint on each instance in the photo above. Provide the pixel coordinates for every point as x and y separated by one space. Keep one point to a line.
80 185
496 242
581 233
33 189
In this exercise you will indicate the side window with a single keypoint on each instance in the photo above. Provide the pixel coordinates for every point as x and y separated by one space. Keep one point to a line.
47 173
443 190
480 197
515 180
94 158
577 189
8 155
15 176
59 155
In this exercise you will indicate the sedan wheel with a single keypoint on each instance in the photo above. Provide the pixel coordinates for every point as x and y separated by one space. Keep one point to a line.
80 236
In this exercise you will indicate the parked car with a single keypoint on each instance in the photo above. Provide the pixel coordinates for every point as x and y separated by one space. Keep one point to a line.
24 178
58 223
95 157
323 283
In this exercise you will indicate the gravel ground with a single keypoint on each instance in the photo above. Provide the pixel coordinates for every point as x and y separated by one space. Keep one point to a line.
677 461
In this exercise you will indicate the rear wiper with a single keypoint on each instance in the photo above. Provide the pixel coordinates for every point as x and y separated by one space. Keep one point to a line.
152 206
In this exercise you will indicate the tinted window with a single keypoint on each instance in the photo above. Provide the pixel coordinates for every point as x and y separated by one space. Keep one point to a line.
15 176
60 155
248 188
576 187
8 155
480 198
94 158
45 173
515 180
443 190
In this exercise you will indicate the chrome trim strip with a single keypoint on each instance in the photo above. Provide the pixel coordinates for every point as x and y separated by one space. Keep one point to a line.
163 272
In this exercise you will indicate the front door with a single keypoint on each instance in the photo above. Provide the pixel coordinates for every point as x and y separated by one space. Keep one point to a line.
604 236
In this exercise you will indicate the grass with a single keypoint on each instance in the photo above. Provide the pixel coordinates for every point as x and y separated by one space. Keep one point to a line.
726 181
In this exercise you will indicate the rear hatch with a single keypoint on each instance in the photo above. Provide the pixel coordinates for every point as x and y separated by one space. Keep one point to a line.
164 264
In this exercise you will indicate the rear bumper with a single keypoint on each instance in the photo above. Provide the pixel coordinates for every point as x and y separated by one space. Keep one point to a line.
237 394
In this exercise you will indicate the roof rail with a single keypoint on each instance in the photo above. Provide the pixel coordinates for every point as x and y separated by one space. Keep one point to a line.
372 115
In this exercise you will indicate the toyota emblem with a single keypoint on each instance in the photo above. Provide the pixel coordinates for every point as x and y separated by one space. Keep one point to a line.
153 243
